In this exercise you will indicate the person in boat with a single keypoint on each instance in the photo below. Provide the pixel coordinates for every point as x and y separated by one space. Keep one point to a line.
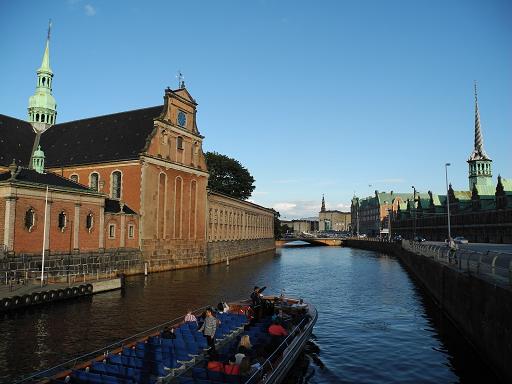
232 368
245 346
222 307
168 333
256 295
300 305
190 317
208 328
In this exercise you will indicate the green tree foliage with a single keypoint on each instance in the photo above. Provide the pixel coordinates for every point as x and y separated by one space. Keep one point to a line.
228 176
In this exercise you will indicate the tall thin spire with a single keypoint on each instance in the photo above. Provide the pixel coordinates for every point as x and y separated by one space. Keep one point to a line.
323 204
478 150
42 108
480 165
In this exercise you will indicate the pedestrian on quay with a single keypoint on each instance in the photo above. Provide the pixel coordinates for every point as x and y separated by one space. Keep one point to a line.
208 328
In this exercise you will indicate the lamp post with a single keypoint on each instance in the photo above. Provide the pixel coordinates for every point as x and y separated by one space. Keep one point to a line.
448 203
414 208
389 223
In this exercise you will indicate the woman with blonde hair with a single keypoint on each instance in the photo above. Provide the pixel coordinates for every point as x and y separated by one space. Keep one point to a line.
245 342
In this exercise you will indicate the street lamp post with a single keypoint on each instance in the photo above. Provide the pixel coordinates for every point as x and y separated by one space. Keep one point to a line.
448 202
389 223
414 208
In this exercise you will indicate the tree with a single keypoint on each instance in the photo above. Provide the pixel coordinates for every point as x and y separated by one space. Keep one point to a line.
278 227
228 176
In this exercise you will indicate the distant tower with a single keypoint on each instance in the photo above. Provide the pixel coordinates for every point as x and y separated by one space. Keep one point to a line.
480 170
42 109
323 204
38 160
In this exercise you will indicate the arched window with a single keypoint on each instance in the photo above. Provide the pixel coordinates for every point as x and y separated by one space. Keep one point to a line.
179 142
30 219
94 181
89 221
116 185
74 178
62 220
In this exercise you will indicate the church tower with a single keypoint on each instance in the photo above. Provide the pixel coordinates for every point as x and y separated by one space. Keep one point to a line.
323 204
480 170
42 109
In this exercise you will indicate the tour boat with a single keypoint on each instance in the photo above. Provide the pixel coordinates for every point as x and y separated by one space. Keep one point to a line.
149 358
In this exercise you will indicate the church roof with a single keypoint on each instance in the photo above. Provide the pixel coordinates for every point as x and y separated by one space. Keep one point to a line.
29 176
115 137
114 206
16 141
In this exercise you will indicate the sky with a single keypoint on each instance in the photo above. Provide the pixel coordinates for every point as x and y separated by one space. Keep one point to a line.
312 97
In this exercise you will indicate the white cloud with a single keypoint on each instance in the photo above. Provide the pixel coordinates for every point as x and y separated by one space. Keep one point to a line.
284 207
89 10
343 206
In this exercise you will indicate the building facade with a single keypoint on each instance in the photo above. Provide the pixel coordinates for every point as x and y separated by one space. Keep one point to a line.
481 214
333 220
149 159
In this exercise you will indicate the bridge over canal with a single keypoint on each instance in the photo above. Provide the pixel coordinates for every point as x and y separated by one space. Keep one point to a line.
327 241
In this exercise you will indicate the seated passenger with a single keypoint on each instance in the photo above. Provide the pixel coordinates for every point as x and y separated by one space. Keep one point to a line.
168 333
300 304
246 369
239 357
245 344
189 317
232 368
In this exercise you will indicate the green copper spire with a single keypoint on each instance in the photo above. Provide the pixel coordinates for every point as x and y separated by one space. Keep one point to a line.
42 109
480 165
38 160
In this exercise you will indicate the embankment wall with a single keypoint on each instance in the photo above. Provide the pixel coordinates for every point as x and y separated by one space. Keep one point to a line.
479 308
219 251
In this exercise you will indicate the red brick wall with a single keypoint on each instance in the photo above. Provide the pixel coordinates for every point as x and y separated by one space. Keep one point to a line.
25 241
130 180
89 240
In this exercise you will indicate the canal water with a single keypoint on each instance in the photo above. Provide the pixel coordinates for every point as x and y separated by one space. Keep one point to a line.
375 325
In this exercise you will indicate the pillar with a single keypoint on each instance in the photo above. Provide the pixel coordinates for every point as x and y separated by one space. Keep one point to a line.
76 227
123 230
10 214
101 237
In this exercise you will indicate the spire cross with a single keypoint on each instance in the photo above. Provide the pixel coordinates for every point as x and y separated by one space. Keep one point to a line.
49 28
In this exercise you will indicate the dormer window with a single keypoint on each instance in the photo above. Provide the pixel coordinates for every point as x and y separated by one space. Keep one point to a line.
74 178
179 142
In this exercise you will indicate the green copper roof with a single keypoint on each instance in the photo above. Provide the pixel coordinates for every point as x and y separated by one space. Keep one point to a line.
45 64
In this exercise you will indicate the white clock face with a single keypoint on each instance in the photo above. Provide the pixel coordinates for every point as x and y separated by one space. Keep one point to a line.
182 118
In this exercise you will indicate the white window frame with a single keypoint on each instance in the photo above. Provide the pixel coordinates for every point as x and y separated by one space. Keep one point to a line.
111 228
131 231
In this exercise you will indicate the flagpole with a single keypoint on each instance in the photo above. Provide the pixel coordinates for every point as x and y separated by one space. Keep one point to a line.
44 236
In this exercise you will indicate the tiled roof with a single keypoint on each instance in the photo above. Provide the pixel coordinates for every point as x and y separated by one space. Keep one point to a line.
16 141
120 136
24 175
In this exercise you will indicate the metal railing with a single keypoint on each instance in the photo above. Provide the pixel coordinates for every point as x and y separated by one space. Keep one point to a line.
272 362
76 362
491 265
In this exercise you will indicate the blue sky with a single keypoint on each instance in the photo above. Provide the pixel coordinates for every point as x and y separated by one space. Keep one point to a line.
313 97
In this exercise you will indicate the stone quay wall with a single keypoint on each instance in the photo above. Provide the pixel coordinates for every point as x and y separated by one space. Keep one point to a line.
73 267
481 309
220 251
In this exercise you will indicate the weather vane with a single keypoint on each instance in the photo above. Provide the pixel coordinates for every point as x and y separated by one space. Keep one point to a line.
181 79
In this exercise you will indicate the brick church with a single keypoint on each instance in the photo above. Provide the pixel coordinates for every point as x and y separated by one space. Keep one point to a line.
130 179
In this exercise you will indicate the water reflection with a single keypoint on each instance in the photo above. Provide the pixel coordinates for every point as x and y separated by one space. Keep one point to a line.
374 324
